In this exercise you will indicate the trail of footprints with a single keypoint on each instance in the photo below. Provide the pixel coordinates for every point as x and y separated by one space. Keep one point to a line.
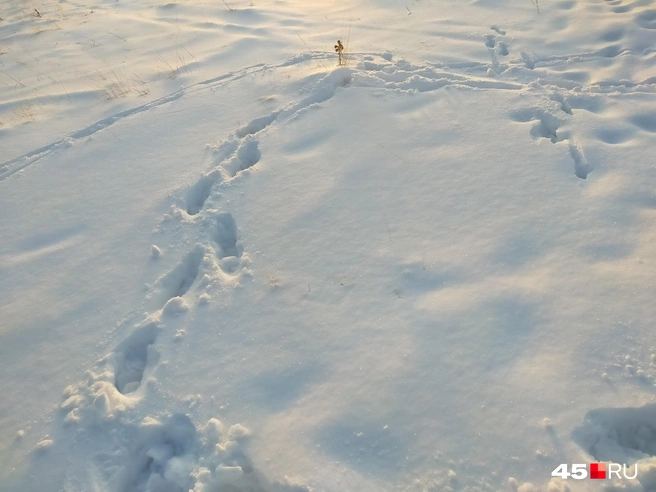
167 453
497 46
232 158
119 383
134 354
132 358
547 125
235 156
494 42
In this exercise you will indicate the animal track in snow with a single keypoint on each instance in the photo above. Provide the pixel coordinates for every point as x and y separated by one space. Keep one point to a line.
496 48
564 104
494 41
547 126
591 103
529 60
406 77
132 358
581 166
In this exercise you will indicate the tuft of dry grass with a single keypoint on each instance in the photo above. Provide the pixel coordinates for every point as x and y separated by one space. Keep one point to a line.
24 112
170 71
115 85
339 49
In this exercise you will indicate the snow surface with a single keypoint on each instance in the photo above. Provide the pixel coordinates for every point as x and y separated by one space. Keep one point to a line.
228 264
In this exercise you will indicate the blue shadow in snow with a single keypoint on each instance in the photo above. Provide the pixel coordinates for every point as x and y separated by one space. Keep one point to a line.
364 446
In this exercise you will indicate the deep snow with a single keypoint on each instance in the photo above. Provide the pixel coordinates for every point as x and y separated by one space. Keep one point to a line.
227 264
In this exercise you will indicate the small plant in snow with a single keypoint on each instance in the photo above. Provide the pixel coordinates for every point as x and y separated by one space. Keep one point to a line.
339 49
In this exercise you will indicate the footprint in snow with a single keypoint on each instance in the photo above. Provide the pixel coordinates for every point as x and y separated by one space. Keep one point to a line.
546 126
178 281
620 435
229 251
248 154
132 357
493 42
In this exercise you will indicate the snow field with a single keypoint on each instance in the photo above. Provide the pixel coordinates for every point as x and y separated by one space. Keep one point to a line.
395 275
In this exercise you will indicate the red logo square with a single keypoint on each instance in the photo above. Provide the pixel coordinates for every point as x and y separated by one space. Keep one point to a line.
598 471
